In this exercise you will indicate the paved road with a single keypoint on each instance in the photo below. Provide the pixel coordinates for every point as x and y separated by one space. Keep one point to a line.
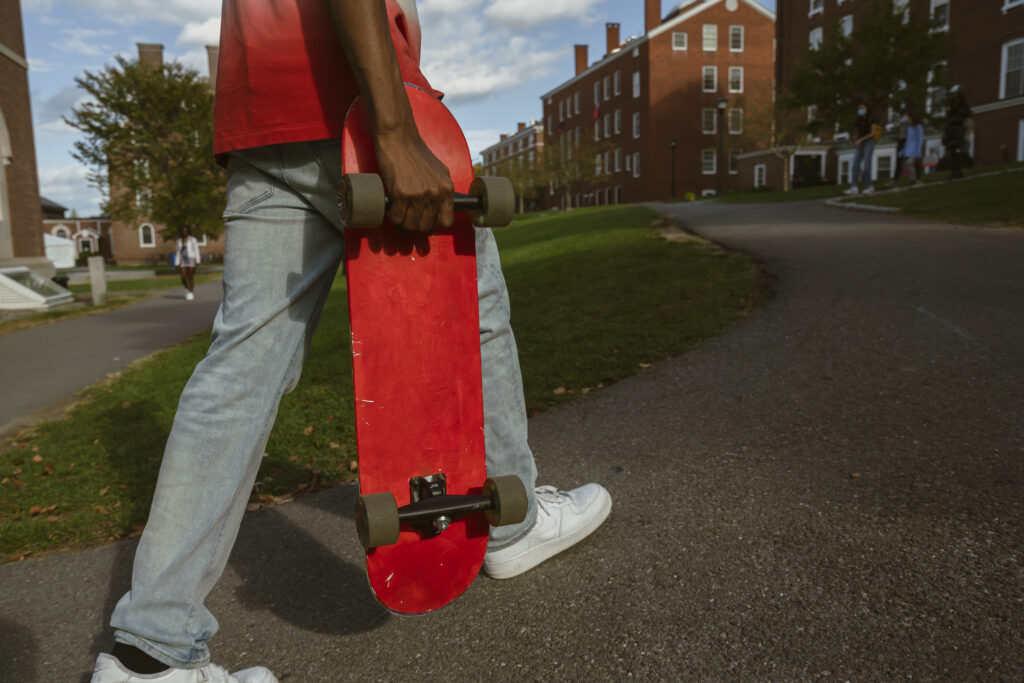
833 489
43 367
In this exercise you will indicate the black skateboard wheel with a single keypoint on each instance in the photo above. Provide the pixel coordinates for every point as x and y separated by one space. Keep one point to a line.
361 200
377 519
497 201
509 500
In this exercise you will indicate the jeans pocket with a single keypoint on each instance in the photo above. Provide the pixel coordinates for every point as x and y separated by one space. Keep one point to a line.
247 187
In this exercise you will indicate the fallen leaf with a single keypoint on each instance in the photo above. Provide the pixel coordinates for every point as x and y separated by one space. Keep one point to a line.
585 390
136 530
95 441
308 430
333 444
37 458
100 509
16 473
293 458
34 511
103 491
353 465
5 480
330 419
20 556
266 455
123 486
53 518
559 390
48 469
126 404
252 507
855 475
645 365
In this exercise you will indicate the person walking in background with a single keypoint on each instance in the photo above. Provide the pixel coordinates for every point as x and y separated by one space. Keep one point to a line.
187 249
865 151
901 140
913 148
958 121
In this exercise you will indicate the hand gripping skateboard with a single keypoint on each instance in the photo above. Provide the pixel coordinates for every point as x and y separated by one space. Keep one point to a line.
425 499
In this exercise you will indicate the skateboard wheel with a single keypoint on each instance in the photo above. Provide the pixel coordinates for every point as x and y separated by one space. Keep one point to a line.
377 519
497 201
509 498
361 200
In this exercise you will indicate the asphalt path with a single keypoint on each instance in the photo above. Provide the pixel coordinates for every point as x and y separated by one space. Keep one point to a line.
830 490
42 368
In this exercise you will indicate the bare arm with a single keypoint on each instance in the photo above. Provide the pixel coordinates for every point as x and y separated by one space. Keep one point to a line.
420 186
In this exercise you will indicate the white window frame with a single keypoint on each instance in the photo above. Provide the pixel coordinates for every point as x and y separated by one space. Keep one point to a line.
704 161
931 12
607 88
617 83
734 156
62 231
846 24
636 164
1007 4
597 92
815 36
561 110
201 240
732 70
636 125
636 84
817 7
597 130
618 159
607 125
618 121
713 70
575 102
709 36
1003 66
679 41
760 176
742 32
704 118
152 234
729 121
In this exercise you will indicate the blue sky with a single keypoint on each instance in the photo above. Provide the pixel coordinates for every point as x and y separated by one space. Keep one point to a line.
493 58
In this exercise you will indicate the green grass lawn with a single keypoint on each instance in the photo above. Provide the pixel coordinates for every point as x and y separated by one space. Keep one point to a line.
995 200
596 297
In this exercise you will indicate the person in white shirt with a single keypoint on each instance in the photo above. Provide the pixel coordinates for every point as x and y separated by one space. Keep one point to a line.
187 248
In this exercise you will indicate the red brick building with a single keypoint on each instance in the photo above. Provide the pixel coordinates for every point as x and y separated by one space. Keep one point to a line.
515 154
21 240
651 101
987 61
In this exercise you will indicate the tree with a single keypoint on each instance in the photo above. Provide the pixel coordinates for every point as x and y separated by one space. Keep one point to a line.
526 178
769 128
570 162
884 61
148 146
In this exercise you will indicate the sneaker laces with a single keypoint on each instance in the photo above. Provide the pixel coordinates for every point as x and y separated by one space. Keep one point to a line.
551 497
216 674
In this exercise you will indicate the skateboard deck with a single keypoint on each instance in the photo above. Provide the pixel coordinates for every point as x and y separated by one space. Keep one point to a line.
414 317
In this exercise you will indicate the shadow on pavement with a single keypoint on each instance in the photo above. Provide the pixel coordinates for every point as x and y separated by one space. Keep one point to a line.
17 652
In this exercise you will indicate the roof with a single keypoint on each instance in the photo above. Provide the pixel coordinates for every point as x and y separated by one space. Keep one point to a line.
51 205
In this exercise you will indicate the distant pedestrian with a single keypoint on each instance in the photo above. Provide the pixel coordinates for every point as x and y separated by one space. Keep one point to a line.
187 249
958 121
868 133
901 140
913 147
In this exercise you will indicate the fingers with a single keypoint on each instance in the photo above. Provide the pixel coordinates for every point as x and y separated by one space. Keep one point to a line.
423 203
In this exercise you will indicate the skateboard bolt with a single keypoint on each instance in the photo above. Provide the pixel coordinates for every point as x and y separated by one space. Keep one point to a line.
441 523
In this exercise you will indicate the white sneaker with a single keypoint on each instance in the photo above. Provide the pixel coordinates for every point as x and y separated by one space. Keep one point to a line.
109 669
868 190
563 518
852 190
189 296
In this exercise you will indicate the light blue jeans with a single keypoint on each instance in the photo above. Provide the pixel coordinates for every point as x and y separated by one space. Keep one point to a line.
862 164
284 246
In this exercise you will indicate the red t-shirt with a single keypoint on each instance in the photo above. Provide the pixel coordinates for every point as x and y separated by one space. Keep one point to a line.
282 75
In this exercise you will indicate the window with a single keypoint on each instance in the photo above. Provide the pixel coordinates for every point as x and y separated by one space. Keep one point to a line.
1007 4
636 164
1011 83
936 99
575 105
817 7
735 39
884 166
846 24
904 6
597 92
617 82
597 164
734 160
636 84
61 231
707 162
618 159
710 37
202 240
531 158
607 87
710 79
760 175
709 119
844 171
629 162
618 121
549 131
940 14
607 125
147 237
735 121
815 37
85 245
577 136
679 40
561 111
597 130
735 79
636 124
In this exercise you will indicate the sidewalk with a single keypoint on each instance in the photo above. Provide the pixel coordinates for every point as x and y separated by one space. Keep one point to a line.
42 368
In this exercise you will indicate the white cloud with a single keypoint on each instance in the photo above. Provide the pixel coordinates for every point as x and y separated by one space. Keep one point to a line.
40 66
201 33
528 14
67 185
84 41
480 139
55 127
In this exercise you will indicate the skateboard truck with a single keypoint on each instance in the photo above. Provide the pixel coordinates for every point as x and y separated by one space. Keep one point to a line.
431 510
362 201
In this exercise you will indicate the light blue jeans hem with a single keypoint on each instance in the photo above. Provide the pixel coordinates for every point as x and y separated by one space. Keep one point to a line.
284 244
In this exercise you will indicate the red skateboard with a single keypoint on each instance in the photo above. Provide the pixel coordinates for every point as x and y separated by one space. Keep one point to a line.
425 500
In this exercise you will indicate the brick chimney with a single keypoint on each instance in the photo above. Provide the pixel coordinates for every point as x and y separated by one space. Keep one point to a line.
581 59
504 136
652 14
520 127
212 57
151 54
612 34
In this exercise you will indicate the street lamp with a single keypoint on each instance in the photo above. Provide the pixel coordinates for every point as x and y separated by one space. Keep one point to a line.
672 145
721 104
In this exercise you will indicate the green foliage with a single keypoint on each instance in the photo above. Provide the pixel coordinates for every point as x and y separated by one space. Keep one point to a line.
884 62
570 165
148 145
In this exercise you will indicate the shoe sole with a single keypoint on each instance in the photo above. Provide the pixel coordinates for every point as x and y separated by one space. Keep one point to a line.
517 565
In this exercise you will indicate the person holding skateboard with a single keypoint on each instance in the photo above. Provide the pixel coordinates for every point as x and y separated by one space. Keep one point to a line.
287 74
